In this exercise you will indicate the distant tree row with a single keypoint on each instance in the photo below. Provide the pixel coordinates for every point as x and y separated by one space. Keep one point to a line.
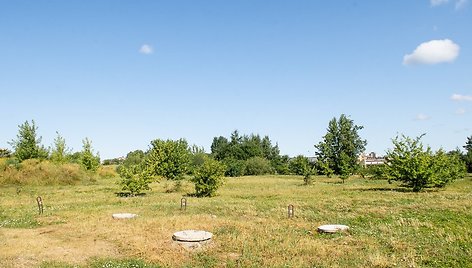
336 154
249 155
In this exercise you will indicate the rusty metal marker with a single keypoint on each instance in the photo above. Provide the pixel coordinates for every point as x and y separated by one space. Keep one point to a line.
291 211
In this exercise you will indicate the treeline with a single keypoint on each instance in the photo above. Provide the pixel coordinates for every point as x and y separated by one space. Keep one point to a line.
244 155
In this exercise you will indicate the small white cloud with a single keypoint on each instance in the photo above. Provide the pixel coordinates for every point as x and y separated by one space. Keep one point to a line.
438 2
460 111
422 117
459 97
433 52
146 49
461 4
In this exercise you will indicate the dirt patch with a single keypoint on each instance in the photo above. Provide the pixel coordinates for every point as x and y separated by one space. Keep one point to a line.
51 244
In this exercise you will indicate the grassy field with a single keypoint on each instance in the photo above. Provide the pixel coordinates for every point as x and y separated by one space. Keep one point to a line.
390 227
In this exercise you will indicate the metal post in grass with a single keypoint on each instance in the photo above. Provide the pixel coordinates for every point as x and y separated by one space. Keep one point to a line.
183 203
291 211
40 204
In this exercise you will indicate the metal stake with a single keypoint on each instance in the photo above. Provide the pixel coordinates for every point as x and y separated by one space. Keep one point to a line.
40 204
291 211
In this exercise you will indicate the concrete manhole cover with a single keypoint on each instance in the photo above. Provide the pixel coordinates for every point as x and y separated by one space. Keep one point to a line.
124 216
192 236
332 228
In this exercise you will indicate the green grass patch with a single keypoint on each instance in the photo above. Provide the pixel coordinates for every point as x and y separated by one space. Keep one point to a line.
248 217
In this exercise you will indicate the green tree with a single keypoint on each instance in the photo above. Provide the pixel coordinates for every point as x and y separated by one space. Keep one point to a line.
60 153
468 144
197 158
135 178
28 144
299 165
467 157
169 159
338 152
136 157
417 168
75 158
234 167
88 160
238 149
219 147
257 166
280 164
208 177
4 153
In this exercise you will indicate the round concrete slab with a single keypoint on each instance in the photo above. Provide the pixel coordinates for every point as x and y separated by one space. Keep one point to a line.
192 236
124 216
332 228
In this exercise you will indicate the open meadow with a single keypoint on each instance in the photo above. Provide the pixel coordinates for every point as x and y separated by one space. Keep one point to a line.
390 226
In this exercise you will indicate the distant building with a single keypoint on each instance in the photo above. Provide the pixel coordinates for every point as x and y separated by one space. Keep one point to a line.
371 159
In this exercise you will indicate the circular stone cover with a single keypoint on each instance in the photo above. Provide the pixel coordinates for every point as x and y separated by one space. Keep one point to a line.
192 236
332 228
123 216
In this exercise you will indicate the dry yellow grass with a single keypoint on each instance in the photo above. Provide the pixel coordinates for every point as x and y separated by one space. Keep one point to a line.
249 221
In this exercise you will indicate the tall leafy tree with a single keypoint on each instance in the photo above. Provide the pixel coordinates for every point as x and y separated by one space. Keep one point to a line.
339 150
468 144
219 147
28 144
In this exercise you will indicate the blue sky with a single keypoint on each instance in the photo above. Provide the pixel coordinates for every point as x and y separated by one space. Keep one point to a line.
123 73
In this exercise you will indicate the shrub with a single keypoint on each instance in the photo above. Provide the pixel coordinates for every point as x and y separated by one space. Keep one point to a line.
419 168
374 172
234 167
88 160
135 179
208 177
257 166
299 165
169 159
280 165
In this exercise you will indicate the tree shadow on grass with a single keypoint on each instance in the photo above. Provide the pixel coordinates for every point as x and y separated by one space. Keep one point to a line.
384 189
127 194
334 182
400 189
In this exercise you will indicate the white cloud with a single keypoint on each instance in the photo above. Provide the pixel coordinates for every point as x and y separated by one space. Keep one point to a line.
146 49
461 4
433 52
459 97
438 2
460 111
422 117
